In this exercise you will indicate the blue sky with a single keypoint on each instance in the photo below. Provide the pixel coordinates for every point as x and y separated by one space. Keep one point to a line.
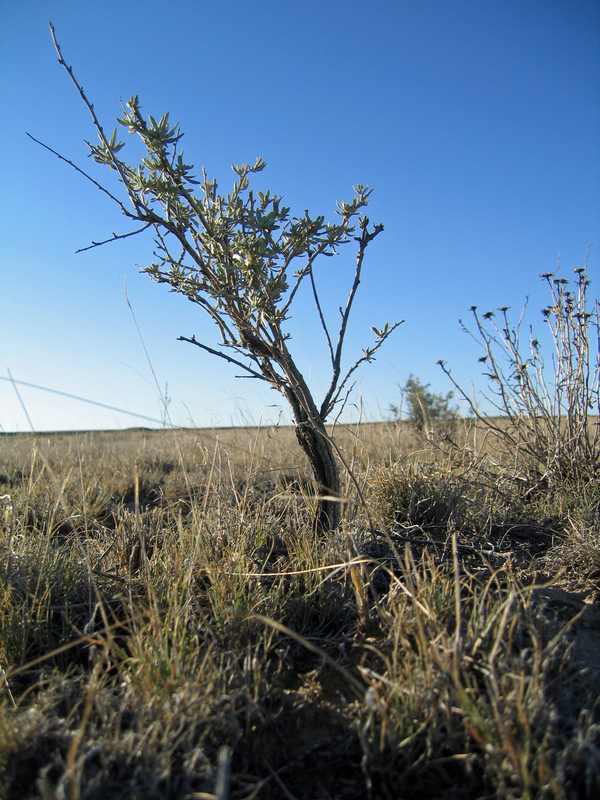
477 124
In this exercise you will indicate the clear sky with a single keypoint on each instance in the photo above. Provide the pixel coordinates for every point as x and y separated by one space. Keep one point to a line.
477 122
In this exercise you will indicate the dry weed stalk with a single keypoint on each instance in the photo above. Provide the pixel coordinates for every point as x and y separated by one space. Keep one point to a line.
546 410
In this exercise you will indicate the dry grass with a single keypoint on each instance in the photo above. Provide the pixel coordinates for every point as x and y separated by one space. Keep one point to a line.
171 627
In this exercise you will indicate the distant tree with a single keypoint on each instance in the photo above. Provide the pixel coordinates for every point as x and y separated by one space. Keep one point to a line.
426 409
241 258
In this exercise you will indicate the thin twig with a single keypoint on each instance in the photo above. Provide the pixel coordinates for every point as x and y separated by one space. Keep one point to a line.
367 356
85 175
321 317
118 164
231 360
114 238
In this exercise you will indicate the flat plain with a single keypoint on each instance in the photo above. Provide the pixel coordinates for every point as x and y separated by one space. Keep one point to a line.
172 626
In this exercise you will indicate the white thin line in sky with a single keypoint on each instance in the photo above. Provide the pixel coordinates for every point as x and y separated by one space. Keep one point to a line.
81 399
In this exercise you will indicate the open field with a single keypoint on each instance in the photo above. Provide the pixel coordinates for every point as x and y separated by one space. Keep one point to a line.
172 627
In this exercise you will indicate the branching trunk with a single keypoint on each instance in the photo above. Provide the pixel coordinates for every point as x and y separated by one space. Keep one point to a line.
315 443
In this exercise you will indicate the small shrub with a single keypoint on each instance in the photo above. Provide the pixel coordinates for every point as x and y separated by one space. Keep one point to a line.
426 409
241 258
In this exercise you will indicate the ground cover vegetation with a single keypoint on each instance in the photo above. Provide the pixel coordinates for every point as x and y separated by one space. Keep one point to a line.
174 625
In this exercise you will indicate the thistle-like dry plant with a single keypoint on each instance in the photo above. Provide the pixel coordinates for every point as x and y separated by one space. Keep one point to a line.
545 406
